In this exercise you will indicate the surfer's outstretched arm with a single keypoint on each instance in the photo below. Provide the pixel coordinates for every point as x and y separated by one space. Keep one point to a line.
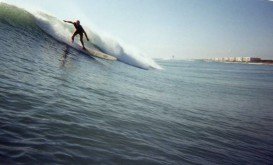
68 21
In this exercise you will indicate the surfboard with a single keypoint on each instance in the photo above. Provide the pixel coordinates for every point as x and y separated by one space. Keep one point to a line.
93 52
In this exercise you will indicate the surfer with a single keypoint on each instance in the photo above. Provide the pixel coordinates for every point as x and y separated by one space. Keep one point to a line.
79 30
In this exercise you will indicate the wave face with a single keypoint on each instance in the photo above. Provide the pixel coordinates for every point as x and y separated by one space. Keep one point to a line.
62 32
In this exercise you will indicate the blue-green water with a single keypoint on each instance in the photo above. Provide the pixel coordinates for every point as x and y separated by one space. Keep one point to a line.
60 106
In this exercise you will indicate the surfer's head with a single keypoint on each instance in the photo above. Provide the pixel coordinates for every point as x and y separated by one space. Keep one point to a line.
77 22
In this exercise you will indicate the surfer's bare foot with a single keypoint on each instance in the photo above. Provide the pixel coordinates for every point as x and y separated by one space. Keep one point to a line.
83 48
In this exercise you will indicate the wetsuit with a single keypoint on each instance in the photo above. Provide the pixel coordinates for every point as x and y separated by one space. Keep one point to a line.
79 29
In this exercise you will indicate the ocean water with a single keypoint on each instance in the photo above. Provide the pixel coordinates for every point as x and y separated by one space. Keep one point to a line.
60 106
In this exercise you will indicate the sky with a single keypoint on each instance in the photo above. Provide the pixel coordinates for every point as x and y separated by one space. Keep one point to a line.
185 29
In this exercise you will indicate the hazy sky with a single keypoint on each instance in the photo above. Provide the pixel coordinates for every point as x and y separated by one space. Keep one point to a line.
183 28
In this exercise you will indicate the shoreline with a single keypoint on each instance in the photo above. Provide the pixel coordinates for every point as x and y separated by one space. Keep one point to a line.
250 63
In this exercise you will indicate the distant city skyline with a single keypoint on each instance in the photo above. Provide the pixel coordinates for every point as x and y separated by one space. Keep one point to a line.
184 29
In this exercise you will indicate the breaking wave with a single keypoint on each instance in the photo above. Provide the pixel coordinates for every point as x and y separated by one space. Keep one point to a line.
62 32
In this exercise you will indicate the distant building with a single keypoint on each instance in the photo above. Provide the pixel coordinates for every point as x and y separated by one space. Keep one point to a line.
239 59
236 59
255 59
232 59
246 59
251 59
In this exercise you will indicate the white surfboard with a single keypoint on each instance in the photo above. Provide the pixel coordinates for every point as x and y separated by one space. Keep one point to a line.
93 52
